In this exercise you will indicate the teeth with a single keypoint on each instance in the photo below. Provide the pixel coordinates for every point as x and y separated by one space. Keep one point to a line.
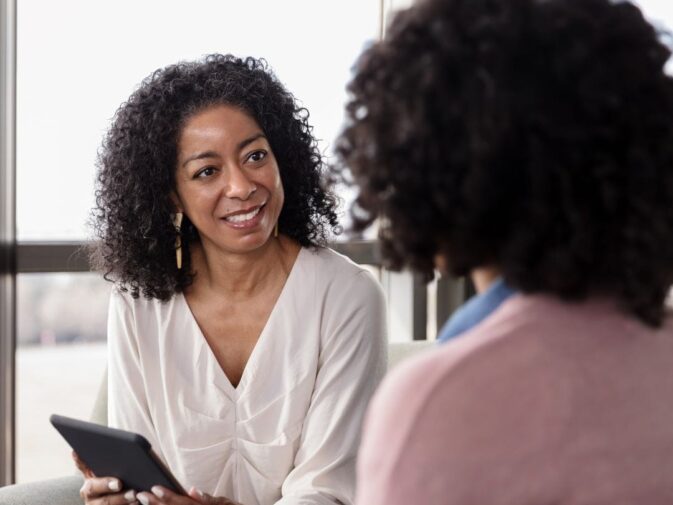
239 218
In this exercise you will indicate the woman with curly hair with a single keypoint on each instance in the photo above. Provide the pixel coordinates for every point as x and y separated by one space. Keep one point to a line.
528 143
239 346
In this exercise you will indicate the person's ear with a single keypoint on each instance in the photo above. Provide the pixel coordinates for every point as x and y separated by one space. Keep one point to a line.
441 263
175 200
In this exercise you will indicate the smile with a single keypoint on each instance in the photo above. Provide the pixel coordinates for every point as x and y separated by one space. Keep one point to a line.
241 218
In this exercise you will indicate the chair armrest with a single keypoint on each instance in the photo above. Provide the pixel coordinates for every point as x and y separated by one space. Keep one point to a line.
62 491
399 351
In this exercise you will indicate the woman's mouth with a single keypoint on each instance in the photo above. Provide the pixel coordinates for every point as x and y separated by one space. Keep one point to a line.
239 218
247 219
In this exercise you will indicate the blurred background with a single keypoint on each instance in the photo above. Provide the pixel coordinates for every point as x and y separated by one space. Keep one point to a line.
77 61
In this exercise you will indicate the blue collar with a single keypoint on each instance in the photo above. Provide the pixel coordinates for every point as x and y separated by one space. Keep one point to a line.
475 310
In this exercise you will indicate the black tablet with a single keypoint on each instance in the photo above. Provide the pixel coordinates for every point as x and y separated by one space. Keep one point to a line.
109 452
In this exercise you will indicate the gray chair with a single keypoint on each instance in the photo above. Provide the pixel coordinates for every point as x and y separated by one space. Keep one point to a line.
65 490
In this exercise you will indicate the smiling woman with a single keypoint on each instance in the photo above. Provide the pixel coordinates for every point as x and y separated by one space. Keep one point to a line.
176 115
239 346
222 151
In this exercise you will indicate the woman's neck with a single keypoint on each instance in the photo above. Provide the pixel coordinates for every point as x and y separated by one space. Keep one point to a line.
240 276
483 277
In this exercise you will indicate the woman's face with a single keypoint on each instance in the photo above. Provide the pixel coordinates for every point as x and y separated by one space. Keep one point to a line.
227 179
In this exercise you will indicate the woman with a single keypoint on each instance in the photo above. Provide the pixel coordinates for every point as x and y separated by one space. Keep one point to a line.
241 349
530 143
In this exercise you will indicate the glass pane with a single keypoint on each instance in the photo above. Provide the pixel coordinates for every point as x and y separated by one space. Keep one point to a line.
61 359
78 60
658 11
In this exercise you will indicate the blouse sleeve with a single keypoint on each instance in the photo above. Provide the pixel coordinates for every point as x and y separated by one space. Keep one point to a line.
127 399
351 364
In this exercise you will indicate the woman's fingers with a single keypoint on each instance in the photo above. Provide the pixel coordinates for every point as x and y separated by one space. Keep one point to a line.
98 486
112 499
81 466
206 499
105 491
199 496
162 496
102 490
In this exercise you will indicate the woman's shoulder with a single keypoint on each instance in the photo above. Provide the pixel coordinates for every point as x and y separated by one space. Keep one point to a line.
531 343
336 273
121 300
329 260
454 391
532 369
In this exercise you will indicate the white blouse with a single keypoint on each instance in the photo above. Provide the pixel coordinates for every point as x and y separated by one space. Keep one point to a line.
289 432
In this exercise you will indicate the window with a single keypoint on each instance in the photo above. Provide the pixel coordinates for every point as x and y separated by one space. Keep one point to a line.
77 62
60 363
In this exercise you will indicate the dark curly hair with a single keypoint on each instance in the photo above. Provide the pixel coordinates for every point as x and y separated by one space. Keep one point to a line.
138 161
533 135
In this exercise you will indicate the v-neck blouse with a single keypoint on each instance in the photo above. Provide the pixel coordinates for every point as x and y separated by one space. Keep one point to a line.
288 433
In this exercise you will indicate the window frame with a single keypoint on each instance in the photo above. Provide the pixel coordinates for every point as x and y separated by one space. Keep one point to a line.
7 238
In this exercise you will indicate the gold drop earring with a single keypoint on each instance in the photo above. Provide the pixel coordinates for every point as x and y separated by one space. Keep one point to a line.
275 230
177 222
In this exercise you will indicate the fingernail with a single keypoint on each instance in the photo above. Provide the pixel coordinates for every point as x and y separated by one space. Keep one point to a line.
199 492
130 495
114 485
143 498
158 492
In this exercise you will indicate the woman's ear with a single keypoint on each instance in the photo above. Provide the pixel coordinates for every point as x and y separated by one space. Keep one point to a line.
175 200
441 263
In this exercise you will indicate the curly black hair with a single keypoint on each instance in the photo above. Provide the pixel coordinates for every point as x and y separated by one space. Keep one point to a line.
138 160
532 135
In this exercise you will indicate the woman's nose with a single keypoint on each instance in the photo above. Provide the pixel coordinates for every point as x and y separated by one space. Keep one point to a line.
238 185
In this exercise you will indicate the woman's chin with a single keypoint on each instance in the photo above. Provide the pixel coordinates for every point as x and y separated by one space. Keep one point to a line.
247 244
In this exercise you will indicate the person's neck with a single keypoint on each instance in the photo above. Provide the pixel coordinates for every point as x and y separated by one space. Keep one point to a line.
242 275
483 277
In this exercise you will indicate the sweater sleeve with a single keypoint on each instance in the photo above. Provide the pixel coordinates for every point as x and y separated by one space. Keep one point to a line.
127 394
351 364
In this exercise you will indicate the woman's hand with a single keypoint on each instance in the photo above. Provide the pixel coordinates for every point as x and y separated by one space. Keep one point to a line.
102 490
162 496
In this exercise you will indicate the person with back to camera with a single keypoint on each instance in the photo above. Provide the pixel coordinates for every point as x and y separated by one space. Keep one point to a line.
531 142
239 346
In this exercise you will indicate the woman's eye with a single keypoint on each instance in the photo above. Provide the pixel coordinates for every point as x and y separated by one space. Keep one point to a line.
205 172
257 156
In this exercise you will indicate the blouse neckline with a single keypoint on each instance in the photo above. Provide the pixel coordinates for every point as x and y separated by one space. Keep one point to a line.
206 356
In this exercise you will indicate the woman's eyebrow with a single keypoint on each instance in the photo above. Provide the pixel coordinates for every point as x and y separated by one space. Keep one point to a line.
213 154
250 140
200 156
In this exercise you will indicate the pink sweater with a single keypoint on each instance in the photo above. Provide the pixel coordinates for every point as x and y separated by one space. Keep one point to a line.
543 403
